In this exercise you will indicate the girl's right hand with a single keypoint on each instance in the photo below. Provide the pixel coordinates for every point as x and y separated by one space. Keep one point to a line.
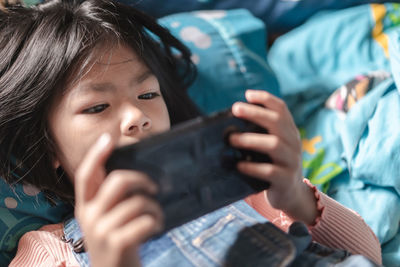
282 143
116 213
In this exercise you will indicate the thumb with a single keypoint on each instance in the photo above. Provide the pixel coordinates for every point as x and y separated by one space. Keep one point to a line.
91 173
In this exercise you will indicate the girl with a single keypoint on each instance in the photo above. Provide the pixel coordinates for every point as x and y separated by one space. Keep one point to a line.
78 78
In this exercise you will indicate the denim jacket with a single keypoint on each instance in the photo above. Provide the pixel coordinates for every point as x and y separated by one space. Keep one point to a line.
235 235
202 242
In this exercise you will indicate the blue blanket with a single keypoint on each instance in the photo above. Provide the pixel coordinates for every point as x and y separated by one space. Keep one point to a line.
350 124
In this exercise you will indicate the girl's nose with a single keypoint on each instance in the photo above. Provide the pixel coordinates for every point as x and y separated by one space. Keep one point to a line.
134 121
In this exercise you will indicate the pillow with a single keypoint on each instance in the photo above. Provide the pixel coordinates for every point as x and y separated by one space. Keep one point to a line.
23 208
229 49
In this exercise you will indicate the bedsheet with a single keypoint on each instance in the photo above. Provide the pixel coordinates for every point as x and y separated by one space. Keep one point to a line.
350 135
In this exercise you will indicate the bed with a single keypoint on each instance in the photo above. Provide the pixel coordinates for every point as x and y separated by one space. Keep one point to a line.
317 65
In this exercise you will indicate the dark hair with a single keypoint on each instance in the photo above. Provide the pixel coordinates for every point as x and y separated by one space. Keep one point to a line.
44 47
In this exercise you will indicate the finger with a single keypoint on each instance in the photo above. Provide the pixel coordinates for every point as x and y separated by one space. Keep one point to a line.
266 99
268 172
263 116
281 125
91 172
121 184
270 102
274 103
137 231
128 210
258 115
275 148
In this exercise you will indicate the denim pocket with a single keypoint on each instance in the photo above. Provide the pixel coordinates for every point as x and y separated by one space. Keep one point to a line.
206 241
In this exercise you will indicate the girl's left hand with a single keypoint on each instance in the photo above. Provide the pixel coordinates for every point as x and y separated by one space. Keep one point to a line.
282 144
117 211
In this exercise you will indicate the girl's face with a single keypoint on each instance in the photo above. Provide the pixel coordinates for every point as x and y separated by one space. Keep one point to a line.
119 95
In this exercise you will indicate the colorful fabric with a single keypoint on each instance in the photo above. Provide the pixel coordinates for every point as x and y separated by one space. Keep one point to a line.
339 74
321 140
329 50
22 209
344 98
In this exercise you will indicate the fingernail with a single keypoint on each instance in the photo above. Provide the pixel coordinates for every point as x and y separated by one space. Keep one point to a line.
103 140
236 108
251 93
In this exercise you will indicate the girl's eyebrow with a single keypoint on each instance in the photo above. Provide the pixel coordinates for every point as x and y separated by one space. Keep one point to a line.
107 86
138 79
98 87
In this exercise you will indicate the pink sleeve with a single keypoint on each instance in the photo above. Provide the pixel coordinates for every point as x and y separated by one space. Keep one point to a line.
44 248
337 226
340 227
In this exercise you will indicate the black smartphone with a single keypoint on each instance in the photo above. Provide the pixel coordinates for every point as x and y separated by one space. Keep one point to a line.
194 166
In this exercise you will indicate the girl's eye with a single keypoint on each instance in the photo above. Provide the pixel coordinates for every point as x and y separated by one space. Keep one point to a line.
96 109
149 96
